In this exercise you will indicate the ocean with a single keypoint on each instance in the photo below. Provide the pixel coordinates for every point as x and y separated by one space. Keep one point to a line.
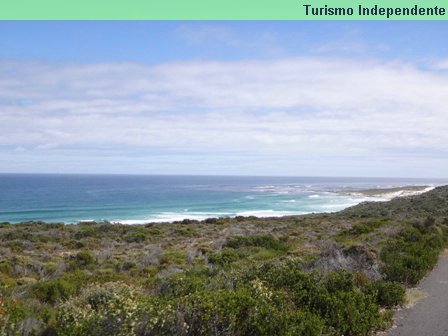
132 199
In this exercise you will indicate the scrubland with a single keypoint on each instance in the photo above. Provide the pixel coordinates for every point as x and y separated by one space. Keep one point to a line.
321 274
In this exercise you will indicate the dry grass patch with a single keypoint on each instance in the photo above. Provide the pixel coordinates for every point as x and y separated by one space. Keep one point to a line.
413 295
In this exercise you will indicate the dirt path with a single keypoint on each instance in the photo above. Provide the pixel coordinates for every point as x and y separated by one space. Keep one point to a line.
429 316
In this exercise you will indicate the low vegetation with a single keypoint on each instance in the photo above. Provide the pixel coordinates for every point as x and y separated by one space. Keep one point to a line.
323 274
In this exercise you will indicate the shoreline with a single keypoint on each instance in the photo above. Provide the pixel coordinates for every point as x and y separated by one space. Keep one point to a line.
390 193
364 195
372 195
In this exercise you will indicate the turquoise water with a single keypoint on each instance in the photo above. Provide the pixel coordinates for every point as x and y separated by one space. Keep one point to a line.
140 199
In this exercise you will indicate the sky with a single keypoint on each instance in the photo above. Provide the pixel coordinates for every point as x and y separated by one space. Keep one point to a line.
292 98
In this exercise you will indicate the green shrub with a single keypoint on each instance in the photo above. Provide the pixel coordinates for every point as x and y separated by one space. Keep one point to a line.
349 313
18 234
268 242
388 293
412 253
13 312
135 237
365 227
225 257
343 307
155 231
53 291
16 246
7 283
182 283
173 257
340 280
81 278
86 231
186 231
83 259
106 309
6 267
248 311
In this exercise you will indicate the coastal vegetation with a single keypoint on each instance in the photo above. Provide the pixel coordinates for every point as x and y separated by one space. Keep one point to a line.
320 274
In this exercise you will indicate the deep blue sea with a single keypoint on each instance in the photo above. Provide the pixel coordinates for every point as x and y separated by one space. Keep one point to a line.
140 199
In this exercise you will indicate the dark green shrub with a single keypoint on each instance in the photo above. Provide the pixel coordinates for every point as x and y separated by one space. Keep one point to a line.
349 313
388 293
53 290
18 234
343 308
82 260
248 311
181 284
86 231
268 242
186 231
225 257
6 267
135 237
15 246
287 274
155 230
412 253
173 257
340 280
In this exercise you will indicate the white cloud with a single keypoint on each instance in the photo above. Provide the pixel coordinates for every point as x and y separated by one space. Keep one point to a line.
442 64
299 107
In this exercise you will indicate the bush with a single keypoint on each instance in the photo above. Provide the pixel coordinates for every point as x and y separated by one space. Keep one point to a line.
83 259
268 242
54 290
340 280
348 313
388 293
343 307
173 257
17 319
155 231
248 311
106 309
6 267
186 231
412 253
225 257
362 228
181 284
135 237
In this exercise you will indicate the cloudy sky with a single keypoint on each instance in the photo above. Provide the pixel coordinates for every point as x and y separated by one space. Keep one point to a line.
225 98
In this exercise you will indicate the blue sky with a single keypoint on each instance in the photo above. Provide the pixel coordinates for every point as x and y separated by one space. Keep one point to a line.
228 98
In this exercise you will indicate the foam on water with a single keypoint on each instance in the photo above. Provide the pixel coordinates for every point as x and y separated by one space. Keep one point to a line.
144 199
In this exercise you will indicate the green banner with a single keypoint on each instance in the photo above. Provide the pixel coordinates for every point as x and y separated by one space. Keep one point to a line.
223 10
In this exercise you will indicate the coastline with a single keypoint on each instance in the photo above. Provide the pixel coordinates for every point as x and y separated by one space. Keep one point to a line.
363 195
387 194
319 202
346 257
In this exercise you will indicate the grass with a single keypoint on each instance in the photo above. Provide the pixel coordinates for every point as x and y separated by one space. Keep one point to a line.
413 295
